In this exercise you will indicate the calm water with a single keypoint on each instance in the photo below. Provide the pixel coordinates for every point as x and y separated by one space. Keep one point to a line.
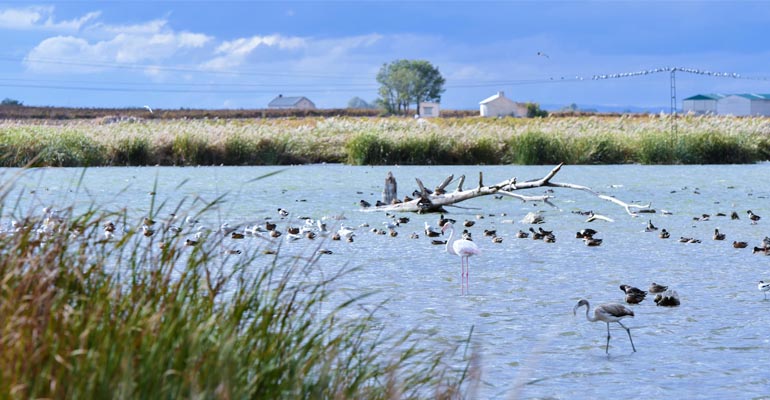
715 345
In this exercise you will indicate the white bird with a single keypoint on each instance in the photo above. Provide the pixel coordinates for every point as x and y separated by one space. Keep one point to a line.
322 230
540 53
764 287
463 248
609 312
226 229
148 109
430 232
345 232
391 224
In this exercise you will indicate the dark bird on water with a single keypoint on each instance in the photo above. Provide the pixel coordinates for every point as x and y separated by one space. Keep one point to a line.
628 289
764 287
765 250
592 242
610 312
718 235
753 217
669 298
633 295
655 288
650 227
536 235
585 233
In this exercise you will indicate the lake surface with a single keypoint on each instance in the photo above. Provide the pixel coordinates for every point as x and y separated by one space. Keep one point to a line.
522 291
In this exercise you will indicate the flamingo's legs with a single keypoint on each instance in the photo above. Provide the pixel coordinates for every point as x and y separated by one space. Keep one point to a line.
629 335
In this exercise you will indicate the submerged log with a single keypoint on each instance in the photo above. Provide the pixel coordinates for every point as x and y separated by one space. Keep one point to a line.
436 200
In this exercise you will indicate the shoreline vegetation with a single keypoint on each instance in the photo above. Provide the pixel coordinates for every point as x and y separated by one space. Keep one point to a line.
370 140
94 306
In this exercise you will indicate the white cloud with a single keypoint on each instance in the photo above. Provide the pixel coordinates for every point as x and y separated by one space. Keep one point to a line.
73 54
234 53
41 18
147 28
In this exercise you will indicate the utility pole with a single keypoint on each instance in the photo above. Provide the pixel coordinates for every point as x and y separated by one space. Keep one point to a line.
673 101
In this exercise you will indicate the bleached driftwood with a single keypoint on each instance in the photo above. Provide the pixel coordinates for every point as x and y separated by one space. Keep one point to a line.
434 201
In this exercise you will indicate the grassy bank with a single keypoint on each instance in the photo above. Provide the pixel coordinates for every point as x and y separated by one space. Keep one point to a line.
363 141
140 316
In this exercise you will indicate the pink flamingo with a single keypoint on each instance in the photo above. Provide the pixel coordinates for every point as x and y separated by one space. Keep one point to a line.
463 248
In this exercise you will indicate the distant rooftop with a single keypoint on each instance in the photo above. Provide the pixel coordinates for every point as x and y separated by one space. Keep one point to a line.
711 96
754 96
285 101
717 96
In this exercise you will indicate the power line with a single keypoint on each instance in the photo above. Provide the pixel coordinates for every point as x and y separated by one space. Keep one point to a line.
316 87
188 69
695 71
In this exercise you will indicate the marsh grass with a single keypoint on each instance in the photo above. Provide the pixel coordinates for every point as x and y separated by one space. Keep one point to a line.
86 317
380 141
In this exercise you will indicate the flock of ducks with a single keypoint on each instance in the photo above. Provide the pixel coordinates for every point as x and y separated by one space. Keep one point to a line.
311 229
267 230
663 296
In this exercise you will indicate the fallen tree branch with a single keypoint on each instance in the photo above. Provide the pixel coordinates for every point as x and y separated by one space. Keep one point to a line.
623 204
435 201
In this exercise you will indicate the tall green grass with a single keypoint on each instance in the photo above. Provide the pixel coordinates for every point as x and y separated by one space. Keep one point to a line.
383 141
85 317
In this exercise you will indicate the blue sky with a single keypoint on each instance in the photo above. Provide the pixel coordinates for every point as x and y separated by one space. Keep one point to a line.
241 54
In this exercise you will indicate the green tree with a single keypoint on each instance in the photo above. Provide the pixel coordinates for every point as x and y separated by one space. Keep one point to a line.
405 82
10 102
357 102
534 110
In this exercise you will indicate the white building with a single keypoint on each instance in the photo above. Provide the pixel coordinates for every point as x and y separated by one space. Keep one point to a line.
284 102
501 106
428 109
701 103
744 104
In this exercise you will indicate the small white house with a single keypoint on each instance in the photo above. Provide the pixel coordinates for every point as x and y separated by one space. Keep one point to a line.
501 106
428 110
744 104
701 103
285 102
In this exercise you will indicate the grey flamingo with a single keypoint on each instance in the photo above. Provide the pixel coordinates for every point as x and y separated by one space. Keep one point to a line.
608 312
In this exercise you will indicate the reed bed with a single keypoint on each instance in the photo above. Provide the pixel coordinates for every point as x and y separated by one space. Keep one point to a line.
651 139
141 316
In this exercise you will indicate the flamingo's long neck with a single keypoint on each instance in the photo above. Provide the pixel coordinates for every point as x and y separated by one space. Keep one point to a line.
588 316
450 242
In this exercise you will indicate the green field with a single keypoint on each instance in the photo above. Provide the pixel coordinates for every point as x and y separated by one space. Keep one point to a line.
136 141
